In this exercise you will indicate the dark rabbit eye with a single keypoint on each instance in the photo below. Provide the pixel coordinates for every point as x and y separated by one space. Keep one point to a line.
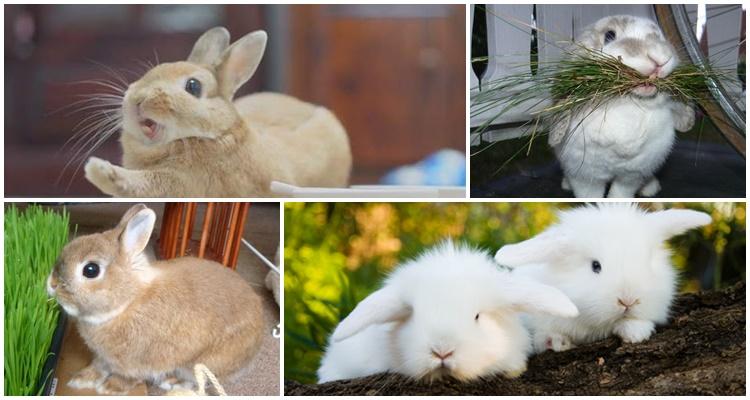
596 267
193 86
91 270
476 318
609 36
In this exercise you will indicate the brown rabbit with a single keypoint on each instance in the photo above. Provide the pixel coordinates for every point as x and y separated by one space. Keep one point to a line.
152 321
183 136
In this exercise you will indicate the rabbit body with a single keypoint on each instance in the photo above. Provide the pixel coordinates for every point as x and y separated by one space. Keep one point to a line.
450 312
622 141
184 136
153 321
611 262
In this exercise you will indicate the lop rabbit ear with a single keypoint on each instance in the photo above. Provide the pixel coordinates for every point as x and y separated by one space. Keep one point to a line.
525 295
545 247
240 61
138 224
210 46
379 307
669 223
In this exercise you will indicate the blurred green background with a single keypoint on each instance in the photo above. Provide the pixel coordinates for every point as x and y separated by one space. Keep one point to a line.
335 254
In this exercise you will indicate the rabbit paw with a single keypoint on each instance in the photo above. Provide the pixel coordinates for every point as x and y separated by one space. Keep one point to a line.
651 188
634 330
116 385
684 117
105 176
515 373
558 342
87 378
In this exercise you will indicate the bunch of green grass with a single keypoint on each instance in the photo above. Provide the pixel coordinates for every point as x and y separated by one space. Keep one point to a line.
33 240
582 78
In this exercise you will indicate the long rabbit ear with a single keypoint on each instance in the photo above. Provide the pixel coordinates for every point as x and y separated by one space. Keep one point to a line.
239 62
137 229
210 46
545 247
526 295
379 307
669 223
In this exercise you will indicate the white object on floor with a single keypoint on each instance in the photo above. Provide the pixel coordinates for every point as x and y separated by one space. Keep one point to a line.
370 191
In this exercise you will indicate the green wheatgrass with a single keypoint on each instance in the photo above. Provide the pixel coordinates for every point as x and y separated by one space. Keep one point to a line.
33 240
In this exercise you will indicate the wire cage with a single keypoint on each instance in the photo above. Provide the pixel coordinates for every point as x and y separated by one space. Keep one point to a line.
218 238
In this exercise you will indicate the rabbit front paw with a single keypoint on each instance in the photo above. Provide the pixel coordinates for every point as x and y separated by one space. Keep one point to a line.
116 385
105 176
684 117
557 342
87 378
634 330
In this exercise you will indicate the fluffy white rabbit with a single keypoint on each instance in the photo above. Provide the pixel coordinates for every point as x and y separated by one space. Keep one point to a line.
622 141
450 312
610 260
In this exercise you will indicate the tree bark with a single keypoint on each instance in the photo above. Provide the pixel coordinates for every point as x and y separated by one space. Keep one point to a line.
700 352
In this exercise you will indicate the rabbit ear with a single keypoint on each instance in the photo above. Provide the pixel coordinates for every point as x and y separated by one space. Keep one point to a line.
137 230
669 223
544 247
240 61
379 307
210 46
525 295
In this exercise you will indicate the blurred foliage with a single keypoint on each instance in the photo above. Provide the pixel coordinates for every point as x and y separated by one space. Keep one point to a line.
335 254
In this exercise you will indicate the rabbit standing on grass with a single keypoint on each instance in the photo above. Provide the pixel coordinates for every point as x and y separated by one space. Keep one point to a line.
625 140
610 260
450 312
183 136
152 321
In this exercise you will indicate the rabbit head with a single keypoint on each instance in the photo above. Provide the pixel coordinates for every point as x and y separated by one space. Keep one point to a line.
637 42
193 98
455 314
610 260
98 275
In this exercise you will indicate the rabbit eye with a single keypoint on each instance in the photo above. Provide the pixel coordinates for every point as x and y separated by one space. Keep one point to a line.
609 36
91 270
193 86
596 266
476 318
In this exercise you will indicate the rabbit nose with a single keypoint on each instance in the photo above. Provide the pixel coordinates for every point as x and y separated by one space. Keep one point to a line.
627 302
442 355
51 284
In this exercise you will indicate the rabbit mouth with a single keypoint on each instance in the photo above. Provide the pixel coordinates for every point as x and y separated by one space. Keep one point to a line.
645 90
150 128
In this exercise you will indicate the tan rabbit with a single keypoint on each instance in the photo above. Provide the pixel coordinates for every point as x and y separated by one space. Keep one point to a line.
183 136
152 321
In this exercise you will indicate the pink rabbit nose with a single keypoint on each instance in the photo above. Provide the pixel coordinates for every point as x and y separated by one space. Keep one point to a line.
442 355
657 67
627 302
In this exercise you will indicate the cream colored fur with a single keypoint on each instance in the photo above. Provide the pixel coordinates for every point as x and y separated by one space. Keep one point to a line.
191 311
215 147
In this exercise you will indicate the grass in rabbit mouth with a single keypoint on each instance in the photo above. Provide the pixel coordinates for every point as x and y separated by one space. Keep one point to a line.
33 241
586 79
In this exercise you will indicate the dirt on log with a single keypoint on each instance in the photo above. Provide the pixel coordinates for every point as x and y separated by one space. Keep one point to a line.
700 352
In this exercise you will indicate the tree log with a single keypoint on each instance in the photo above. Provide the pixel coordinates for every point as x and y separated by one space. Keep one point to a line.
700 352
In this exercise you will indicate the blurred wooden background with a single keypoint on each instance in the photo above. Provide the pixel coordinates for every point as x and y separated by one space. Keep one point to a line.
395 75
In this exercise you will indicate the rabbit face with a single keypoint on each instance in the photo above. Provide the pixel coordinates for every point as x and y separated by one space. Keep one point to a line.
97 276
638 43
454 335
176 101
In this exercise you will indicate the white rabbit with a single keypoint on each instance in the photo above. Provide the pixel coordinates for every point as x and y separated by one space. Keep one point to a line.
610 260
450 312
622 141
